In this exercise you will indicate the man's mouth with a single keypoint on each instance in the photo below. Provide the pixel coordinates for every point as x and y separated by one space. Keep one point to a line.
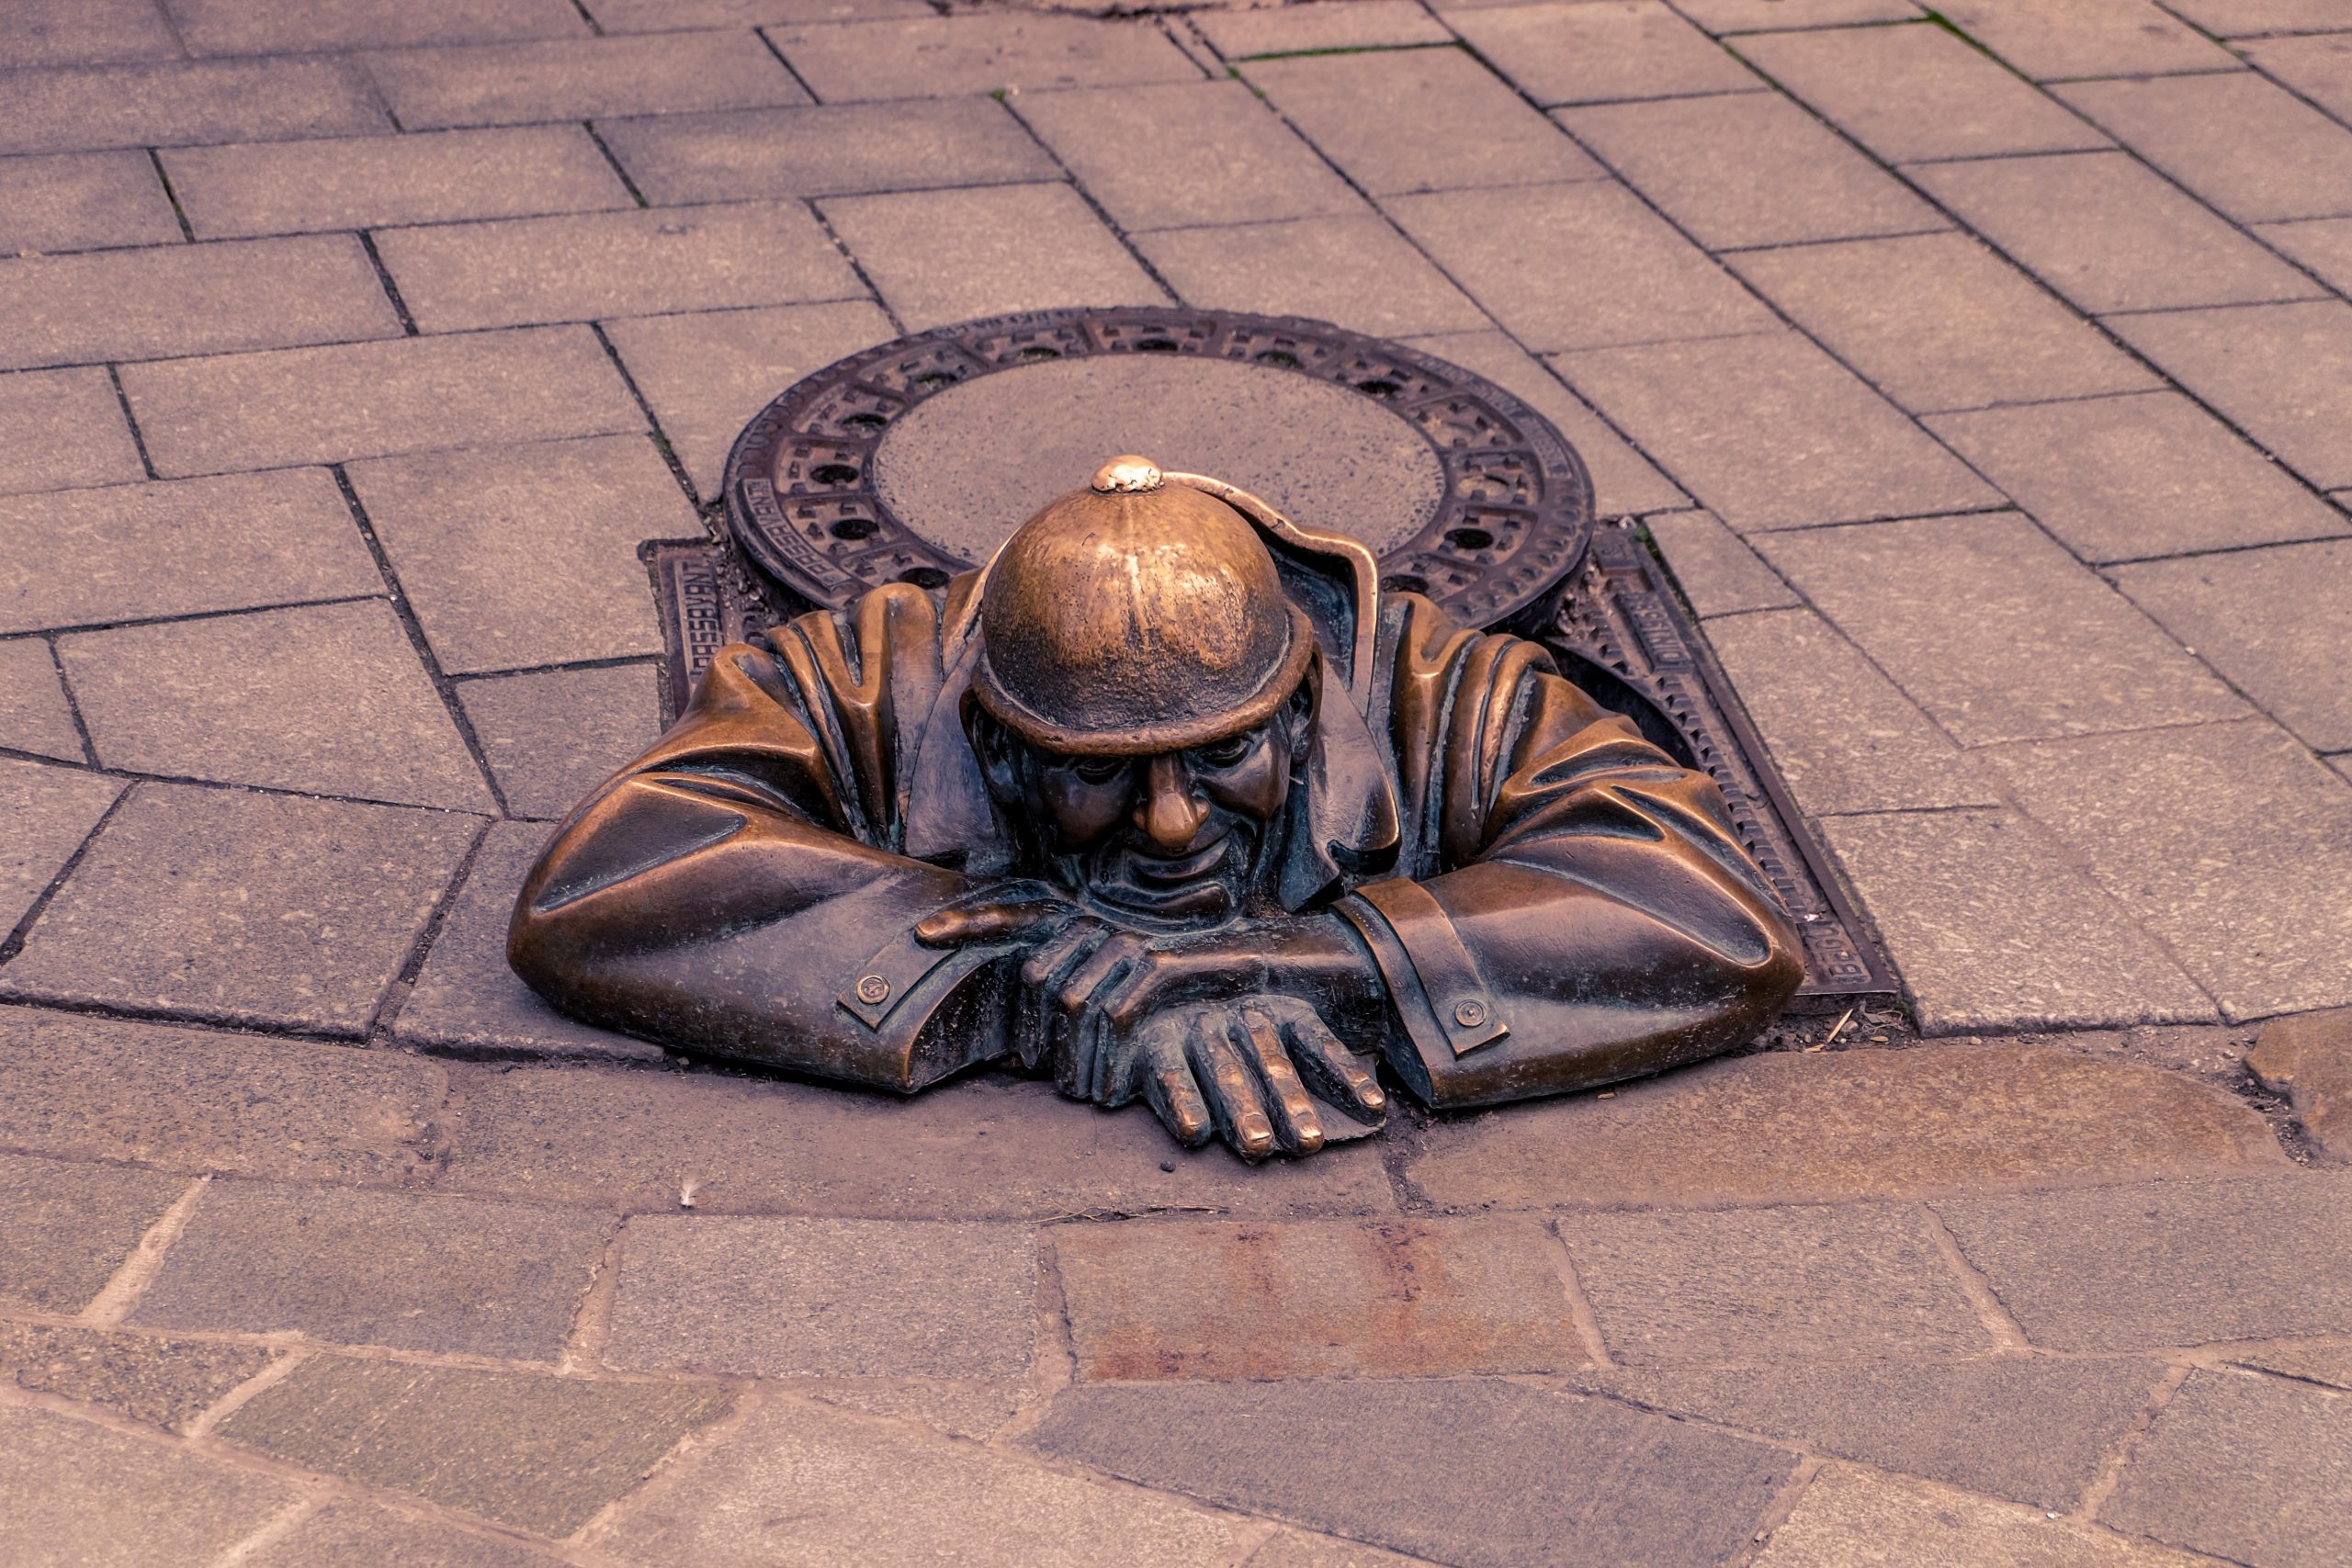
1156 870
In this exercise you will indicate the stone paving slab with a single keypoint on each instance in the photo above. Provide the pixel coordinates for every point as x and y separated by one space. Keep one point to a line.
2321 245
939 56
61 429
1309 28
2281 373
2247 147
162 1507
175 103
588 78
2086 37
68 1227
35 716
552 736
1754 15
1586 52
76 201
66 32
1853 1518
829 149
51 812
356 1535
2318 68
161 1381
1717 573
244 27
2329 1364
1296 1549
2251 1469
2308 1058
1357 273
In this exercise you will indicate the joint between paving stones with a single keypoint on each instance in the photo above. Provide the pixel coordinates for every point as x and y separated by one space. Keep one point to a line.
392 290
120 1294
2007 1334
2110 1474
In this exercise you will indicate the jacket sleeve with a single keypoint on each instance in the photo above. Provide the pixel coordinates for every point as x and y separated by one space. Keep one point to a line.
736 888
1589 914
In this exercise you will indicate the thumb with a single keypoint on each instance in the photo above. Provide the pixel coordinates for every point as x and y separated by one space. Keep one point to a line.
981 922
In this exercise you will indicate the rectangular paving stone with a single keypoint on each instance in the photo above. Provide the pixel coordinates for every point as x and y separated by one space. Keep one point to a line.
586 78
1944 604
148 1505
364 181
2317 67
1357 272
2165 1264
705 374
824 1298
254 27
1718 574
372 399
64 1229
1355 1458
148 304
365 1267
68 32
59 429
2277 623
2108 233
1600 50
538 1452
552 735
329 699
77 201
2324 245
1749 169
2125 479
2236 18
152 1378
1916 92
2249 1468
933 57
505 570
2265 926
1844 737
1769 432
2246 146
348 1534
35 716
1937 322
198 1101
51 811
1993 927
827 150
524 270
1445 121
1755 16
271 908
2281 373
1303 28
1770 1284
173 102
1853 1516
2086 37
1407 1298
1637 281
663 16
951 255
845 1483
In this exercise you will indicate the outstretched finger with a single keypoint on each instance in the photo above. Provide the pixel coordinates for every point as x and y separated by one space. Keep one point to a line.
983 922
1230 1087
1339 1075
1296 1127
1175 1098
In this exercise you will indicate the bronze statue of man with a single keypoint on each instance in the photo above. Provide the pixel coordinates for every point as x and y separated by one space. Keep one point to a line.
1171 802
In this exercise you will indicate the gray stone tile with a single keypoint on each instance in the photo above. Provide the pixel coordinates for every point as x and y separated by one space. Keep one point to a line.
328 699
183 548
662 16
1845 738
2124 478
507 570
2246 146
951 255
523 270
466 998
541 1453
826 150
63 428
87 1087
858 1492
147 304
69 1490
2086 37
1769 432
1992 928
1914 91
1623 479
2277 623
931 57
1943 606
34 715
1353 1458
2030 1429
1717 573
1597 51
1305 1299
706 374
2246 1467
365 1267
51 811
79 32
2108 235
250 907
2323 244
372 399
1770 1285
69 1227
1937 322
2281 373
2171 1263
1849 1518
551 738
1445 121
1755 16
1749 169
75 201
824 1298
258 26
1356 272
1637 281
152 1378
975 1410
364 181
359 1535
1303 28
2319 67
588 78
2264 925
170 102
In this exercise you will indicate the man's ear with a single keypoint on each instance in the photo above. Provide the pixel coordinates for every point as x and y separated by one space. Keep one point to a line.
1297 714
999 752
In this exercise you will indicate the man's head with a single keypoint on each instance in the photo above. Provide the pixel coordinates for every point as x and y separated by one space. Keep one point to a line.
1143 696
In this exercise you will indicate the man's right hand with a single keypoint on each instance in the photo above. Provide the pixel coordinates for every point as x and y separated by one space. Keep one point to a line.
1250 1072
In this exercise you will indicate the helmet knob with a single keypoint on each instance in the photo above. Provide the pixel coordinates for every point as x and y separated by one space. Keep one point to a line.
1126 476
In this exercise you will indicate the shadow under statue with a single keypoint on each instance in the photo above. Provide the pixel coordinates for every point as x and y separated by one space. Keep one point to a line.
1171 802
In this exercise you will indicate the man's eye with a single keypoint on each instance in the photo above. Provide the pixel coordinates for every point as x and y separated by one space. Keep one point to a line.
1099 769
1225 753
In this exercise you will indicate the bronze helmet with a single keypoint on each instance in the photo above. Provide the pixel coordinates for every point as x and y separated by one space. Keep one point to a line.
1137 617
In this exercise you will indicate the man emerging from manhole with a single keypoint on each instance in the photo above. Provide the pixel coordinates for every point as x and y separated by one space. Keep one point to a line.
1170 802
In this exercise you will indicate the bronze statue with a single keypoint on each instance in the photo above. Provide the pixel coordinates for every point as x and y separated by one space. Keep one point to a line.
1170 801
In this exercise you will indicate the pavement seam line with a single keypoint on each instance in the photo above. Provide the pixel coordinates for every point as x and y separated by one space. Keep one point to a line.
2007 1332
138 437
1053 1356
271 1532
72 703
2110 1474
120 1295
14 943
1581 1310
592 1325
279 1368
1776 1513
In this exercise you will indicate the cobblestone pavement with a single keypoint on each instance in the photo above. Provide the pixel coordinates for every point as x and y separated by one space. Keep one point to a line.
1984 379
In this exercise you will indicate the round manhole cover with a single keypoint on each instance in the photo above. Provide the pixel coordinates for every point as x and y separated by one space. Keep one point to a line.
914 460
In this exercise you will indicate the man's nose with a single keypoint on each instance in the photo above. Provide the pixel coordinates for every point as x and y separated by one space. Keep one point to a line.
1171 812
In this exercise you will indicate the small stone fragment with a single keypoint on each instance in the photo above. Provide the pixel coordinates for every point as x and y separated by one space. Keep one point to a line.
2308 1058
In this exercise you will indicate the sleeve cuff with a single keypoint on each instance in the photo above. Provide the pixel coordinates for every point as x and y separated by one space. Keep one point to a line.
1434 986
